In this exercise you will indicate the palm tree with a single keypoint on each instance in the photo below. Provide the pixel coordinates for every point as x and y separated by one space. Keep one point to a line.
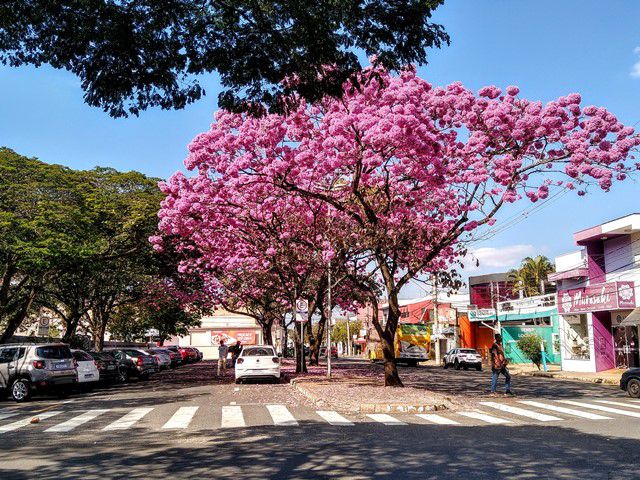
531 277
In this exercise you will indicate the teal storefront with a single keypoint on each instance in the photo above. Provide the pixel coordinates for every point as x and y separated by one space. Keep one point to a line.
538 315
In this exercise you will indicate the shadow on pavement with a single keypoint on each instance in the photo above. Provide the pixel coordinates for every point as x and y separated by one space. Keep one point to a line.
320 451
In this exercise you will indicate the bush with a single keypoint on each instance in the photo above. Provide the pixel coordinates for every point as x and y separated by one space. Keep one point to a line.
529 344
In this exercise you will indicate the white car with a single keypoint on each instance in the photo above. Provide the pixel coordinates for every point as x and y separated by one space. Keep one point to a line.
257 362
463 358
87 369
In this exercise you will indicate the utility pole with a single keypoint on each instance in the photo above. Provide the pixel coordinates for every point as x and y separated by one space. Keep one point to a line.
436 322
348 337
329 323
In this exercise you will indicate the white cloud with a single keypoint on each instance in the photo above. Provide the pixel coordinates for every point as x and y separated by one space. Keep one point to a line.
498 258
635 70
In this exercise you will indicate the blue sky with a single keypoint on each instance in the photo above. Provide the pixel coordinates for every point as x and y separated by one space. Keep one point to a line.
547 48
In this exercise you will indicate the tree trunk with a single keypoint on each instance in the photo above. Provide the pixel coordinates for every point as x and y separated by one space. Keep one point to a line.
70 326
314 354
15 320
301 365
266 332
391 377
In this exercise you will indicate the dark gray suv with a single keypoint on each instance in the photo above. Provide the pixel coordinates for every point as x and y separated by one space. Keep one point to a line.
48 367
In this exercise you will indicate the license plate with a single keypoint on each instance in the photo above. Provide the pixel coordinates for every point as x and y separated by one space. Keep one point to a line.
60 366
111 367
88 375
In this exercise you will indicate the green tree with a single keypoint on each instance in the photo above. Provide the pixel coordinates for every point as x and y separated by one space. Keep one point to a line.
529 344
531 277
339 332
157 310
42 225
135 54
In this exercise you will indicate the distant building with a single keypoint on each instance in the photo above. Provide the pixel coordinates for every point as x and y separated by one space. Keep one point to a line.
220 325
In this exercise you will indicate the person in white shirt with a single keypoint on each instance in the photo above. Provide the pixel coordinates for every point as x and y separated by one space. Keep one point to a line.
223 350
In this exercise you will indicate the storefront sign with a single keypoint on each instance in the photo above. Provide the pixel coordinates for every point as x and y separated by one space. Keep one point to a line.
230 337
482 314
594 298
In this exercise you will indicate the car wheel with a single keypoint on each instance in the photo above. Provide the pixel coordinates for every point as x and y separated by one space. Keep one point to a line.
62 393
238 380
123 376
633 388
479 368
144 376
20 390
445 364
465 367
456 364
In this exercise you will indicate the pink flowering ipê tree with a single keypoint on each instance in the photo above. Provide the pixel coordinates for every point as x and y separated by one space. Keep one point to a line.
240 247
412 171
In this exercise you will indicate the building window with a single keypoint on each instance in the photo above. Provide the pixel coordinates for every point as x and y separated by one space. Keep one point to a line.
576 337
404 314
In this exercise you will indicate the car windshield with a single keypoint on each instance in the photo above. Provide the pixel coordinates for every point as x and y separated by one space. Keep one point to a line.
467 350
55 352
135 353
258 352
82 356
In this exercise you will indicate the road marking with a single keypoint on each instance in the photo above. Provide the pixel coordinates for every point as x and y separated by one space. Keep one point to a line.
334 418
484 417
567 411
26 421
129 419
232 417
8 415
76 421
384 418
602 408
521 412
433 418
182 418
619 404
281 415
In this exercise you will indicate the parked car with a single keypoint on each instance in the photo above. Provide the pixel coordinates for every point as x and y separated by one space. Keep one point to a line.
334 352
47 367
191 354
134 363
200 354
174 357
107 366
88 373
257 362
181 355
630 382
163 358
462 358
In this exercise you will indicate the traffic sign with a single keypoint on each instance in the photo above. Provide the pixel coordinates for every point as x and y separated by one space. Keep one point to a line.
302 310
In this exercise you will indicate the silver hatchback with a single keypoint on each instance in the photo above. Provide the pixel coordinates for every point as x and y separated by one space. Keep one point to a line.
46 367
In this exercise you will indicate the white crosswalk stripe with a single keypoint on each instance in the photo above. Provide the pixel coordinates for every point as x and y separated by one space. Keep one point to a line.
484 417
281 415
129 419
182 418
602 408
619 404
76 421
333 418
438 419
4 415
521 412
567 411
232 417
384 418
26 421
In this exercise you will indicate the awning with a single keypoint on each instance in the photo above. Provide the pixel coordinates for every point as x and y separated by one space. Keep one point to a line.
632 319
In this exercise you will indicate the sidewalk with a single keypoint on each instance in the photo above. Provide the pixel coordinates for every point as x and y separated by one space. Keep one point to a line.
608 377
359 388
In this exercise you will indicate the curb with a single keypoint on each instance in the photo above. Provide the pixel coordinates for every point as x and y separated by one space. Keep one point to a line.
560 376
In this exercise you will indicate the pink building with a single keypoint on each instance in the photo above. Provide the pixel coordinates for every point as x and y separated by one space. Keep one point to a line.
598 287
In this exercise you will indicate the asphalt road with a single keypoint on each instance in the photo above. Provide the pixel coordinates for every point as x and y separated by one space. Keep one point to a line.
184 424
